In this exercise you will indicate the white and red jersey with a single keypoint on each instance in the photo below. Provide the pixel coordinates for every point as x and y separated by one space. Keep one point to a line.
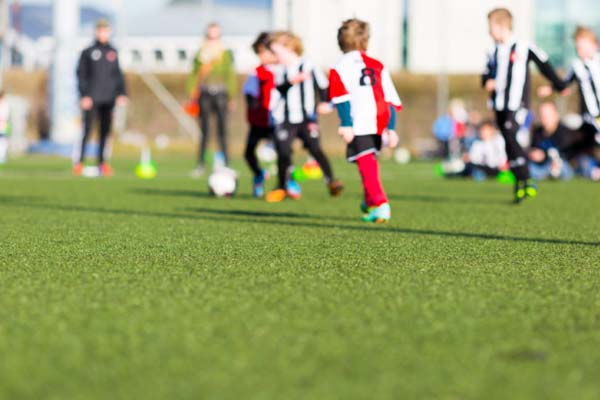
260 95
365 83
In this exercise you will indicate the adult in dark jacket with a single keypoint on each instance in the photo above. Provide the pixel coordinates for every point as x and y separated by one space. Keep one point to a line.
101 86
553 146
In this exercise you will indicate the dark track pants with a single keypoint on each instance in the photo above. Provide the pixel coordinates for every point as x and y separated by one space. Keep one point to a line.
517 156
104 114
217 104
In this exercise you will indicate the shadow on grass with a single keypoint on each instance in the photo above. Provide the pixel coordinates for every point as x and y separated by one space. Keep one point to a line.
407 198
242 216
183 193
264 214
423 198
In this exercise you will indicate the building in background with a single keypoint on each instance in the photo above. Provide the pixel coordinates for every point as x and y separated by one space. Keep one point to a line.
422 36
452 36
317 21
555 23
165 34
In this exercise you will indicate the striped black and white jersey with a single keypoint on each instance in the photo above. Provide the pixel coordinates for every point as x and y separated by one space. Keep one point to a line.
587 76
297 103
508 64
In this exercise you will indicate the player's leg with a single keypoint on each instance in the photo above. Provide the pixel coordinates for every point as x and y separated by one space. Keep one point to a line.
79 148
254 136
378 208
517 157
221 108
310 135
284 137
250 152
3 149
105 115
206 107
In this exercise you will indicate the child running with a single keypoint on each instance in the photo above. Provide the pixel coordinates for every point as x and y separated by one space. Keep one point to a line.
585 71
366 101
507 80
259 91
298 83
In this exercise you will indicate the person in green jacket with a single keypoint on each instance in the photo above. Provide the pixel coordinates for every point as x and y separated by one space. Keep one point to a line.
213 83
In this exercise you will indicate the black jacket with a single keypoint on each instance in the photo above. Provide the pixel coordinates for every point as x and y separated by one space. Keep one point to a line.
565 140
99 74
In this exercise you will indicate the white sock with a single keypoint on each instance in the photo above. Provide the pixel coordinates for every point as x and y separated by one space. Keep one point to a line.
3 149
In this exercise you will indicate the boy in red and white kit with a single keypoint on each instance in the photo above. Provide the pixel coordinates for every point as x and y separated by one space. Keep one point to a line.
366 100
260 92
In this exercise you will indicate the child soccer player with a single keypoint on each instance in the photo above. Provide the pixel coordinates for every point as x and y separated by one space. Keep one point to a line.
258 90
4 127
585 71
506 78
366 101
298 83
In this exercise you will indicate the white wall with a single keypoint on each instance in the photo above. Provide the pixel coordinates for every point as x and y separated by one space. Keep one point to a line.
317 22
452 35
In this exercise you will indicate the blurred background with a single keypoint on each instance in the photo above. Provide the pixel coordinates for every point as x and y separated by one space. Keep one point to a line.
436 49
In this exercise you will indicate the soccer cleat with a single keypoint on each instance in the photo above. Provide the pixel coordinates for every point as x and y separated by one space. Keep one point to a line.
531 190
106 170
258 188
379 215
77 169
336 188
524 190
520 195
364 208
276 196
294 191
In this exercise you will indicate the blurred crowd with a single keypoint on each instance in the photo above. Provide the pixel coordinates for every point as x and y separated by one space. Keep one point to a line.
472 146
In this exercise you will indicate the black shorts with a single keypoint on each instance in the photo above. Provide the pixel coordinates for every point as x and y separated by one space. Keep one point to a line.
261 132
363 145
308 132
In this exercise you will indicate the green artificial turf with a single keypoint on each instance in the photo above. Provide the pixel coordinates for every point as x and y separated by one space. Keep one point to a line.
129 289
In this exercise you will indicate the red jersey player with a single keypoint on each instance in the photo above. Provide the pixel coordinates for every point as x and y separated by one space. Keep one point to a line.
259 90
362 90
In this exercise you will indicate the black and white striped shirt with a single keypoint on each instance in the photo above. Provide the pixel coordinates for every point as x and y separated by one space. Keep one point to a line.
297 103
587 76
508 65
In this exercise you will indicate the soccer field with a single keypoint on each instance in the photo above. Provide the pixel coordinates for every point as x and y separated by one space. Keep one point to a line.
129 289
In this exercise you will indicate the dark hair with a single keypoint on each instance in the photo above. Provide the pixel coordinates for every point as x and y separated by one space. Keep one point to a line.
262 41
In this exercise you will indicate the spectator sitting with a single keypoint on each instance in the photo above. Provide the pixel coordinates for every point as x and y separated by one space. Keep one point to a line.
487 156
552 146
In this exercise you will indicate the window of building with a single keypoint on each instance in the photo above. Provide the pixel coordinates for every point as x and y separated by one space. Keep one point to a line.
136 56
556 21
182 55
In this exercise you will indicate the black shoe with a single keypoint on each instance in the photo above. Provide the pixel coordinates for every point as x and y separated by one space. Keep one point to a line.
520 192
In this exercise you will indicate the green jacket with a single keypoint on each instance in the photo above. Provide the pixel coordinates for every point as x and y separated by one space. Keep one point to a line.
221 73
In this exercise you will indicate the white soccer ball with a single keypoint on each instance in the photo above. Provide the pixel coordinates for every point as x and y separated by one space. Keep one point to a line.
223 182
90 172
402 155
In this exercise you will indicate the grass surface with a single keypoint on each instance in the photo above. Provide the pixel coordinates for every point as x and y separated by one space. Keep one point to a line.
128 289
